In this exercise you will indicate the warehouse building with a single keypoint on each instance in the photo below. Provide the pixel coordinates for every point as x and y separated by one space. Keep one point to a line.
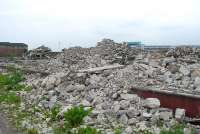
13 49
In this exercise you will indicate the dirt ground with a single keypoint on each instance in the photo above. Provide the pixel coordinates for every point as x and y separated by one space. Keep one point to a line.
5 128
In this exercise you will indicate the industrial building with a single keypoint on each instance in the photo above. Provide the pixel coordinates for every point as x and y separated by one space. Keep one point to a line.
13 49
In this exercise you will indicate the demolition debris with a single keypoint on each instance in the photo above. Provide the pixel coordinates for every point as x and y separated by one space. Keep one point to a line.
101 77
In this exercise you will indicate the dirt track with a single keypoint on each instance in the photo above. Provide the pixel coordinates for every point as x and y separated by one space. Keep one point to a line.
5 127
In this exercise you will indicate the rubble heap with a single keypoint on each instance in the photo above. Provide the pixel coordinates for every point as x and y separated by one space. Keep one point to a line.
114 52
101 78
41 52
106 52
182 51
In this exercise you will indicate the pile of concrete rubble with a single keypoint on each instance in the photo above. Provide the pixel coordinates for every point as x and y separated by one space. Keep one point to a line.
183 51
101 77
41 52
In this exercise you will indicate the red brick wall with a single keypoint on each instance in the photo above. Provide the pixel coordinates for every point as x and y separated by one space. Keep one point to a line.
11 51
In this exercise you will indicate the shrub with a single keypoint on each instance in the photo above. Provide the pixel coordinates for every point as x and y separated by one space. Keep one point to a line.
88 130
74 116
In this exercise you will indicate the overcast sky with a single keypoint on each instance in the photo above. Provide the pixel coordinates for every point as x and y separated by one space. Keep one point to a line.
84 22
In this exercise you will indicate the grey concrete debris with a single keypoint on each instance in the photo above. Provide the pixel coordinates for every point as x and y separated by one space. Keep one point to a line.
184 70
146 115
129 130
101 77
97 69
180 114
131 97
123 119
152 103
41 52
166 115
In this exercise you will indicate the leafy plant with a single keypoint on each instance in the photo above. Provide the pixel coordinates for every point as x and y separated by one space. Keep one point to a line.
61 130
74 116
159 123
145 131
19 117
176 129
192 131
118 130
10 98
54 112
88 130
28 88
32 131
11 80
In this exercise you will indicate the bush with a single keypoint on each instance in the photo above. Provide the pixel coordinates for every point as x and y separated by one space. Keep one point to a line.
74 116
88 130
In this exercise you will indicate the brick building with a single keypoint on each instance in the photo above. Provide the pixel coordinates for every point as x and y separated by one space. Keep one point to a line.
13 49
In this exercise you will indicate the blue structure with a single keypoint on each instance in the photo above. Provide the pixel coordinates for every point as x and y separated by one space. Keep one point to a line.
137 44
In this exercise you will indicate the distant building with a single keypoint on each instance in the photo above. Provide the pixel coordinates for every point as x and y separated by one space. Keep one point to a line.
139 45
136 44
13 49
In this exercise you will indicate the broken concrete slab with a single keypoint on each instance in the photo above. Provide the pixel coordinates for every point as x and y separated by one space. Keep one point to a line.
97 69
180 114
152 103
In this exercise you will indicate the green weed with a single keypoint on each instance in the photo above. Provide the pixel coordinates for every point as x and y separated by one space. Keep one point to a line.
11 80
62 130
193 131
20 116
74 116
10 98
118 130
176 129
32 131
88 130
54 112
145 131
